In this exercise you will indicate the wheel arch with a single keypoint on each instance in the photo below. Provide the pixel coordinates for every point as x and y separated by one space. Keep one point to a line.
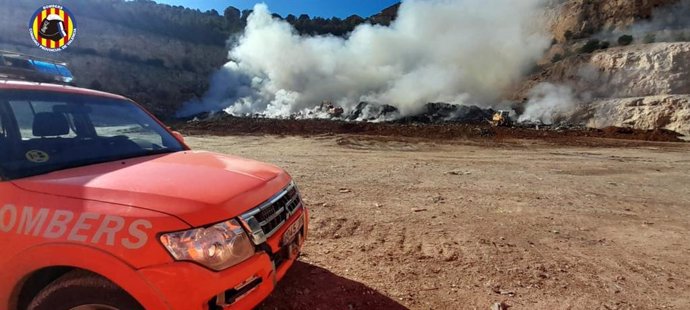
36 281
49 262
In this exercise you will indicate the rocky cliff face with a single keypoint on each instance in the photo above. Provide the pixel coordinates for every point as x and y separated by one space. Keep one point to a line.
643 86
631 71
667 112
582 18
640 70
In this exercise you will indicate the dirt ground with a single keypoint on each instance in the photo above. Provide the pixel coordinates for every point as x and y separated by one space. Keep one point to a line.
401 223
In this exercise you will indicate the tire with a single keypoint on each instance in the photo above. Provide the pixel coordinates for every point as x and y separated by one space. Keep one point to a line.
83 290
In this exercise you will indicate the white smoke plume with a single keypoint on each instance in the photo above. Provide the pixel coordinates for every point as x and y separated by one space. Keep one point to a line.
454 51
668 24
548 103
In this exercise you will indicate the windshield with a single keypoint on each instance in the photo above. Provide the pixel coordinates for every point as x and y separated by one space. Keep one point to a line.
42 132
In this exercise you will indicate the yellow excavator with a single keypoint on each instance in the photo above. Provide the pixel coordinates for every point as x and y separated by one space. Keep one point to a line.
501 118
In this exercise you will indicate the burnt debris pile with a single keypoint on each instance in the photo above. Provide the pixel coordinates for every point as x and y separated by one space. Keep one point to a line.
432 113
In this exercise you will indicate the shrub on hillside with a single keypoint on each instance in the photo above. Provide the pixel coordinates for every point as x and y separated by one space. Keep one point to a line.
589 47
568 35
625 40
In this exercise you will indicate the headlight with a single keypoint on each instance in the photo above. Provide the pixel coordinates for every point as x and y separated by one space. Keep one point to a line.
217 247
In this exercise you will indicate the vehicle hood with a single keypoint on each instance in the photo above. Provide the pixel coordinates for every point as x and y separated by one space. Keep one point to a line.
200 188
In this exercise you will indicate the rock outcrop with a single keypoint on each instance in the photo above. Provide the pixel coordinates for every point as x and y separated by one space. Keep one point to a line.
630 71
667 112
640 70
633 71
582 18
642 86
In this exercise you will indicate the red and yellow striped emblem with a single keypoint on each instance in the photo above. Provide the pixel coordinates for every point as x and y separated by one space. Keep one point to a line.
53 28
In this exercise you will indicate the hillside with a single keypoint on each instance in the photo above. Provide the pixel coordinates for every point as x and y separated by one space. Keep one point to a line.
129 48
642 82
158 55
163 56
583 18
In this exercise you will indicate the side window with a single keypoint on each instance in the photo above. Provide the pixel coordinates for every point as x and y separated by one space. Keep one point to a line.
25 115
113 121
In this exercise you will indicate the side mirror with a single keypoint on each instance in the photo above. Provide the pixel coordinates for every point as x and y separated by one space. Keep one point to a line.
178 136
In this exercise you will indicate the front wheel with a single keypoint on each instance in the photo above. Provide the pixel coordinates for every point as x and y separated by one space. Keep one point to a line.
83 290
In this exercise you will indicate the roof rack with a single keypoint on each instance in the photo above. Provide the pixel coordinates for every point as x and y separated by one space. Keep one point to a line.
18 66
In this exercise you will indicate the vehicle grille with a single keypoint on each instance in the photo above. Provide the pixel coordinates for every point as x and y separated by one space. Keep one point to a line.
264 220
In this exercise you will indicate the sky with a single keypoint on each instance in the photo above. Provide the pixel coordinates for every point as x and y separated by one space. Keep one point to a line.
323 8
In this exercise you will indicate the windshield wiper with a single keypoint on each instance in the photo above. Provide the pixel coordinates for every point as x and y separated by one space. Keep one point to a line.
142 154
38 170
157 152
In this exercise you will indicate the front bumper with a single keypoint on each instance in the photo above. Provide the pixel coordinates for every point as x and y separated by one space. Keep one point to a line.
188 286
